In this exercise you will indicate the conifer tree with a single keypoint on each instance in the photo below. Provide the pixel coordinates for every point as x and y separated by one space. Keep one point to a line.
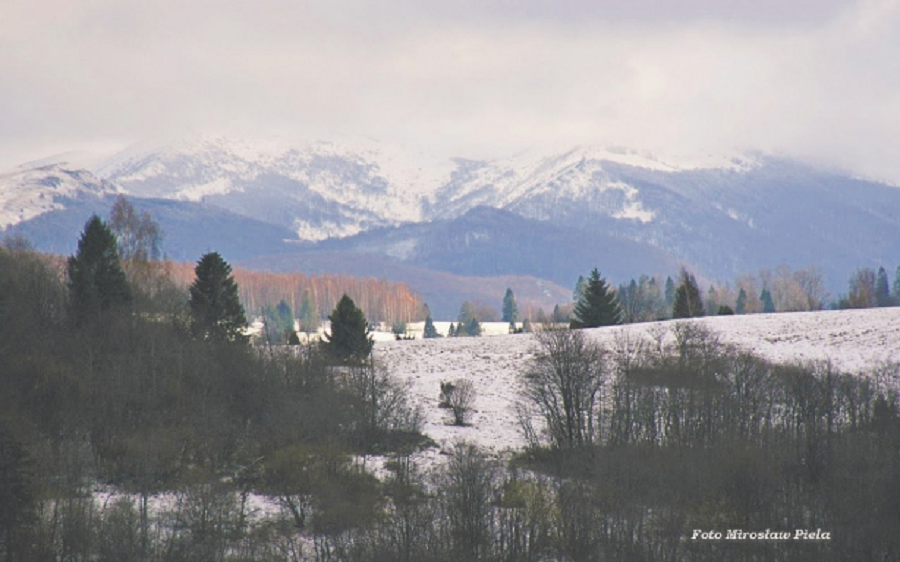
473 328
687 298
768 304
510 309
579 289
882 289
430 330
451 332
97 281
897 285
670 292
598 306
309 313
350 338
216 311
740 306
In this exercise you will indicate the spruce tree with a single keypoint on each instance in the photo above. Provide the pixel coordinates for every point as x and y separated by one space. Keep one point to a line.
349 338
897 285
510 309
670 292
598 306
97 281
216 311
309 313
766 298
882 289
473 328
687 298
430 330
740 306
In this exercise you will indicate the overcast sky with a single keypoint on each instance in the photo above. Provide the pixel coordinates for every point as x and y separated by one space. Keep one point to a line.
817 79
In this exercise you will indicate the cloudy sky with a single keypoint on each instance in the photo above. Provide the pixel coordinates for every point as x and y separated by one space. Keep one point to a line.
816 79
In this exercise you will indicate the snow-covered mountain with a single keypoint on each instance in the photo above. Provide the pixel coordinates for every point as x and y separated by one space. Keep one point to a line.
722 215
29 193
319 190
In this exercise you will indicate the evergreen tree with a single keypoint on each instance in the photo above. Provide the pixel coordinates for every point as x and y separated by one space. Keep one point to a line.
598 306
740 306
349 338
309 313
473 328
467 312
687 298
670 292
96 280
882 289
451 333
279 322
510 310
897 285
768 304
430 330
558 315
579 289
725 310
216 311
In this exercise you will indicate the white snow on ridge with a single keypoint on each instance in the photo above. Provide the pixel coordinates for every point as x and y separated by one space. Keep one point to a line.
856 341
26 194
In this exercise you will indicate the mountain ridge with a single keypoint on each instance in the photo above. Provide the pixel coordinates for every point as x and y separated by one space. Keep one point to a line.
721 215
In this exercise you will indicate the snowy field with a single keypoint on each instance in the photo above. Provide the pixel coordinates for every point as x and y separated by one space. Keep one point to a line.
858 341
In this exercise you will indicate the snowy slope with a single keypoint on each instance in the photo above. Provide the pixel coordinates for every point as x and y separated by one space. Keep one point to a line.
26 194
858 341
319 189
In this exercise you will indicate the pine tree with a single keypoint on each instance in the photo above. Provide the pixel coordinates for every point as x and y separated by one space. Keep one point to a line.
451 333
598 306
97 281
216 311
882 289
349 338
740 306
430 330
510 309
687 298
766 298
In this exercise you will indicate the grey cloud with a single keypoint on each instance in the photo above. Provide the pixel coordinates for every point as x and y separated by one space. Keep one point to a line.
817 79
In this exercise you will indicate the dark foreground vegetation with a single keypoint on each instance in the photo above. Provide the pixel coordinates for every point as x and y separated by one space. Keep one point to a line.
645 443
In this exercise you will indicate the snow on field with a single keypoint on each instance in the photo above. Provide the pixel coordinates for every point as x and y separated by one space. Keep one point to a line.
857 341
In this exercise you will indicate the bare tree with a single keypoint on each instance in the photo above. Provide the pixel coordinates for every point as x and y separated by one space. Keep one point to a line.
468 495
564 381
458 396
